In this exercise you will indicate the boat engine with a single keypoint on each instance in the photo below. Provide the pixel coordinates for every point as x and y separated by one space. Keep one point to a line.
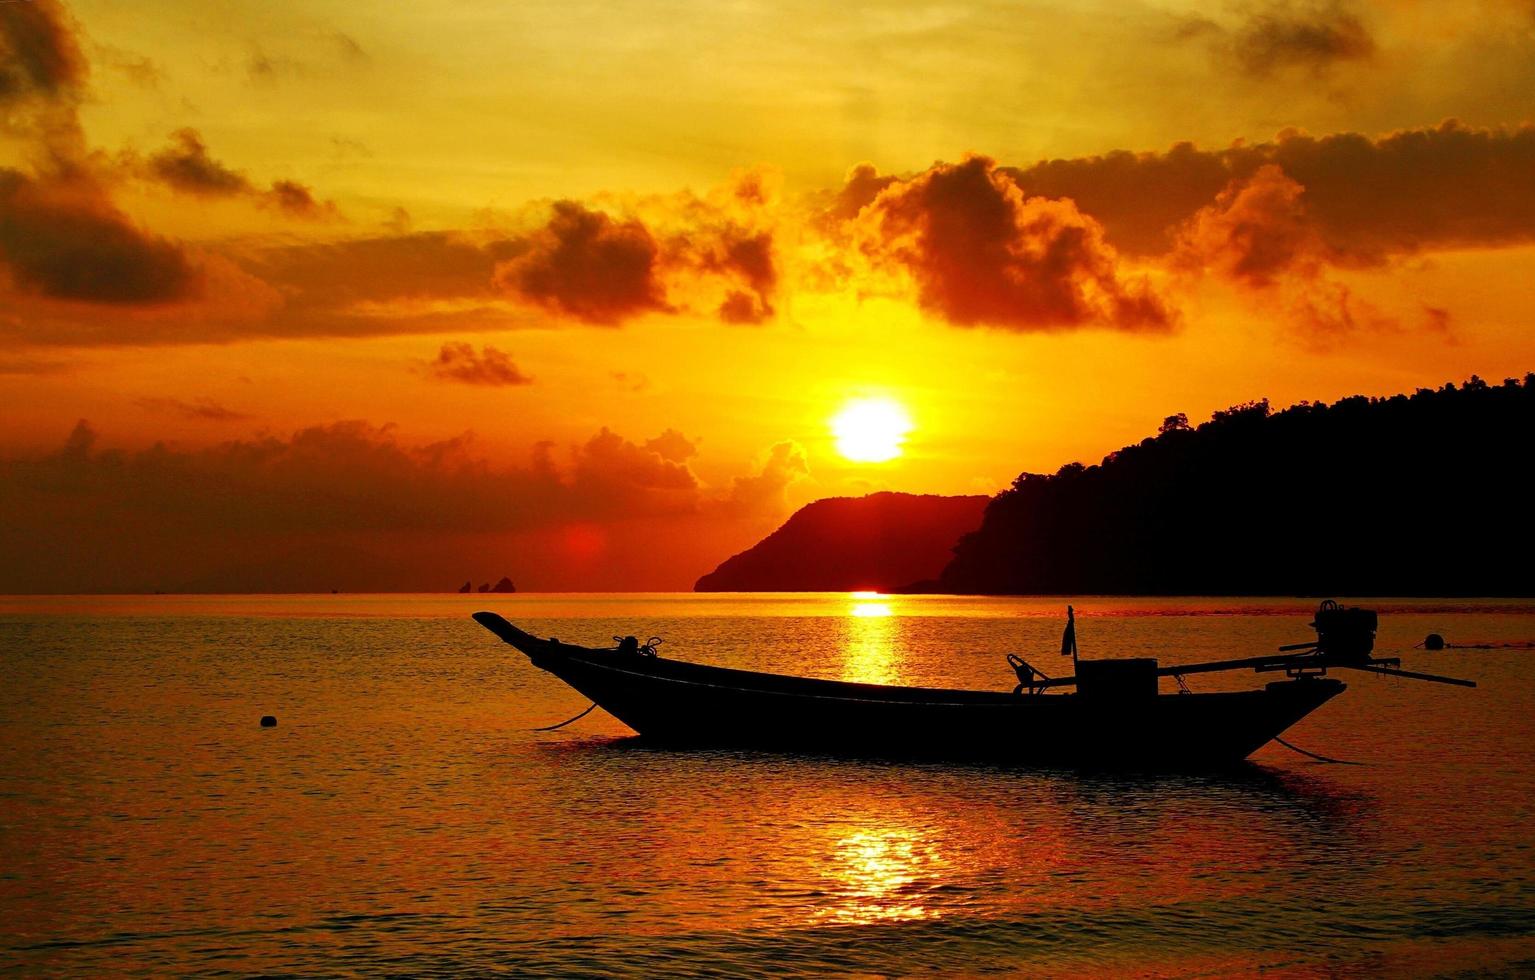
1344 634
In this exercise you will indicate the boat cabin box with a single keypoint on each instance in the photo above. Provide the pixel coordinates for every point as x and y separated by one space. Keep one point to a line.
1132 678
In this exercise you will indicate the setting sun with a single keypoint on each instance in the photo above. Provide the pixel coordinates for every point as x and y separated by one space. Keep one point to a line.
871 430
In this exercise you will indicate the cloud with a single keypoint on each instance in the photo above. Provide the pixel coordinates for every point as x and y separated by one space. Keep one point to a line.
265 69
491 367
1282 36
65 240
765 491
135 68
39 56
31 365
349 49
740 307
983 253
352 475
611 461
749 259
201 409
42 77
331 275
296 199
863 184
1313 37
672 446
589 266
99 518
1449 186
1257 233
186 166
721 254
676 254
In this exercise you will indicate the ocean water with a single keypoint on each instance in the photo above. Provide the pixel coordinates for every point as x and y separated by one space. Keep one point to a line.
402 818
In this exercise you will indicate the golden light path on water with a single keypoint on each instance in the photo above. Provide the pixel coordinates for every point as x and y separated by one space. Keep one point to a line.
882 873
881 869
869 647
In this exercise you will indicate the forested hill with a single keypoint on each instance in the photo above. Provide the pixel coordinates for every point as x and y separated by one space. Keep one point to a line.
1427 494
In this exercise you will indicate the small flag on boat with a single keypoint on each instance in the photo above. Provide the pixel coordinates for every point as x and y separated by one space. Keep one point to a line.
1069 638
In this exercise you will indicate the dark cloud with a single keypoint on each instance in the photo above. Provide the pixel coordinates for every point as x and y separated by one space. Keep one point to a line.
65 240
491 367
201 409
296 199
186 166
39 55
349 505
1257 233
747 260
42 81
741 307
1446 187
136 68
984 254
383 268
266 69
354 476
1314 37
589 266
862 186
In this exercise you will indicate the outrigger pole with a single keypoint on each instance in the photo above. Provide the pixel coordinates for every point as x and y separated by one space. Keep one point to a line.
1345 638
1294 664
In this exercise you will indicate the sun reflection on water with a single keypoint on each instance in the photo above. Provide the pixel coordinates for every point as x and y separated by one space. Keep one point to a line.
870 637
882 874
867 609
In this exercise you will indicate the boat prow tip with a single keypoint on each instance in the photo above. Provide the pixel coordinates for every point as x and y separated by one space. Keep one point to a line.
523 641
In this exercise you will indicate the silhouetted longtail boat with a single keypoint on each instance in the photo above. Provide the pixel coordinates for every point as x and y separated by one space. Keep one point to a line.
1115 717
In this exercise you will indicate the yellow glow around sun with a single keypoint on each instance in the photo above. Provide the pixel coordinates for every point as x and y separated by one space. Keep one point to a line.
871 430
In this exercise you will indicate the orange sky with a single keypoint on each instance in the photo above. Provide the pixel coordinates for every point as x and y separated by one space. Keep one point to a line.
396 296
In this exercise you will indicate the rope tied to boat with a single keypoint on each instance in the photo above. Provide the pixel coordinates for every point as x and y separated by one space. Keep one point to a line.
550 728
1319 758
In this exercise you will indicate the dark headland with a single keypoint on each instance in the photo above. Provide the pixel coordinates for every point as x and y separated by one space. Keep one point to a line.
841 544
1409 495
1423 494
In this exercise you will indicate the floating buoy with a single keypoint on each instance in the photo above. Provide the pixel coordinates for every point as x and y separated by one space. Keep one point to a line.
1433 641
268 721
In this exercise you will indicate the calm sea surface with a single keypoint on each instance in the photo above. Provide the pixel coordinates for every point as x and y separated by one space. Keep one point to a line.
403 819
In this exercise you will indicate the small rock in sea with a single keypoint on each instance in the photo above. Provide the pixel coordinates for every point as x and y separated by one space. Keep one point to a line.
268 721
1433 642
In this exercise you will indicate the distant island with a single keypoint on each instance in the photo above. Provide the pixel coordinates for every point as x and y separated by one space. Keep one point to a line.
841 544
505 585
1423 494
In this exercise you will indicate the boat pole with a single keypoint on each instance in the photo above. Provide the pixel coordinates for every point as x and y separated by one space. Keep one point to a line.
1069 638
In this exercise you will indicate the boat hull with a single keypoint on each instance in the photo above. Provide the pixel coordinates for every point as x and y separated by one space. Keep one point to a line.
681 704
